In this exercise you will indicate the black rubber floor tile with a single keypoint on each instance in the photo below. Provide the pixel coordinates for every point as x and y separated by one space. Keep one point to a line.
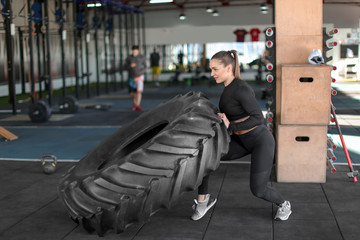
240 223
174 224
11 167
291 186
306 230
349 223
50 222
21 204
241 200
350 206
342 191
18 183
241 216
26 177
15 211
338 177
235 185
80 234
301 195
310 211
237 170
232 231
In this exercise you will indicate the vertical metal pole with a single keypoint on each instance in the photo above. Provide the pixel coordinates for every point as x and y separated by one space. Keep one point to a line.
87 36
273 13
97 60
358 72
80 36
44 72
144 41
22 65
163 57
112 35
121 49
75 50
105 53
10 55
48 55
127 34
138 29
31 52
62 36
37 30
132 27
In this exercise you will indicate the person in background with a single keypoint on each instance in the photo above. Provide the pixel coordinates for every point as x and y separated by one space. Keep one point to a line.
241 114
154 63
135 64
181 61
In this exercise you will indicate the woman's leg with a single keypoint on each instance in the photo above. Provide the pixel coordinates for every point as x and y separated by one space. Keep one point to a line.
203 188
262 158
262 146
204 202
236 150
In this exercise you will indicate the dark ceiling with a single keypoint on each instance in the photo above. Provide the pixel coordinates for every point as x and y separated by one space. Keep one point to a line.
203 4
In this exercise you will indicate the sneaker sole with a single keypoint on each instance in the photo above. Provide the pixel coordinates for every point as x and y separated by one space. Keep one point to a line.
284 218
207 209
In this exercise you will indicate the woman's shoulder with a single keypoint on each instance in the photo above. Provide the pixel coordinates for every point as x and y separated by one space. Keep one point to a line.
241 84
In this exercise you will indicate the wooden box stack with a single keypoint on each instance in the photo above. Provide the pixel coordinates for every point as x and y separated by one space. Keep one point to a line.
303 93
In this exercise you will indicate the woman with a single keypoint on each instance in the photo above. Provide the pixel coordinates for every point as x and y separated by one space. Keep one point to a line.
241 114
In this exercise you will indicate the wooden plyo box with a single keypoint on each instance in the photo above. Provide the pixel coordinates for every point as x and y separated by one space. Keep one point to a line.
305 94
296 49
299 17
301 153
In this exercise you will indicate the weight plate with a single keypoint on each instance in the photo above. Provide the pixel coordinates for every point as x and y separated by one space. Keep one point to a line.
39 111
68 105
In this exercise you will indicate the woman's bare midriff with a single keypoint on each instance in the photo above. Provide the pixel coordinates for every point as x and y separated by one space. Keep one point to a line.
242 131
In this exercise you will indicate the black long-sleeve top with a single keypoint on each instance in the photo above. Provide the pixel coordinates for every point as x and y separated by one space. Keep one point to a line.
238 101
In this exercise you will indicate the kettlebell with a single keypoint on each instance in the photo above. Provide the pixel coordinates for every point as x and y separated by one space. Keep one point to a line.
48 167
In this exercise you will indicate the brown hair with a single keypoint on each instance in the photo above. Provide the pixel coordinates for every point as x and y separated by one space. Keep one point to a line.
229 57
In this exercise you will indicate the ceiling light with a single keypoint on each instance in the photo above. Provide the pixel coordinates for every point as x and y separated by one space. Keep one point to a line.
209 9
264 8
94 5
161 1
215 13
182 16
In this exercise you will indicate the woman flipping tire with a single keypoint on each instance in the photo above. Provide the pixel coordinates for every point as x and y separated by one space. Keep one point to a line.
146 164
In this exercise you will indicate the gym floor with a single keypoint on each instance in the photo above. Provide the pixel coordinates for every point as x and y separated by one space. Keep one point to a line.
31 209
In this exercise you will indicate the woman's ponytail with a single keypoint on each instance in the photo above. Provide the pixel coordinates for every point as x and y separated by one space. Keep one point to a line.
237 65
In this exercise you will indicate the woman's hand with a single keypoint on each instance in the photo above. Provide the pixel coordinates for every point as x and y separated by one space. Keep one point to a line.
224 119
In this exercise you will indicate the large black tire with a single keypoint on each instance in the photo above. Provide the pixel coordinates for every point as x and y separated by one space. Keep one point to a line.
146 164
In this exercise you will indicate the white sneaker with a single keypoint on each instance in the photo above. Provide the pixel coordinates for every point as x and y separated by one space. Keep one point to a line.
316 57
283 211
201 207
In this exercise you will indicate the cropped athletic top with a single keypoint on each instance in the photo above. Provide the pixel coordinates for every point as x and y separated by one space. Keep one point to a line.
238 101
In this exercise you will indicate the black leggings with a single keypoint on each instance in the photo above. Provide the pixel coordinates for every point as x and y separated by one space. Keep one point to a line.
261 145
